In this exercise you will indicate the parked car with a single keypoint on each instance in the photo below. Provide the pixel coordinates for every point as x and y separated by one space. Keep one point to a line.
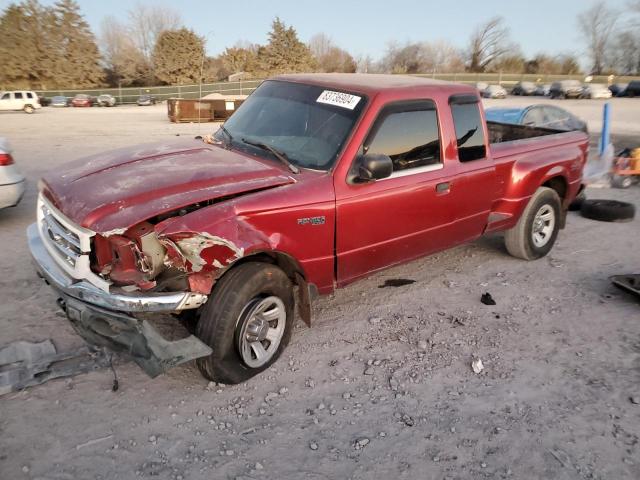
494 91
566 89
24 100
596 90
617 89
632 89
82 100
44 101
523 88
545 116
12 183
481 87
60 101
146 100
542 90
106 100
272 211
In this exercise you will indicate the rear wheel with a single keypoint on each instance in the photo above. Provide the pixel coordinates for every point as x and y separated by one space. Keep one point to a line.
247 322
29 109
537 229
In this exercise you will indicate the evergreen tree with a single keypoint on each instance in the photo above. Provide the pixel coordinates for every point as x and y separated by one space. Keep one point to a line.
14 71
76 48
178 56
284 53
25 50
47 47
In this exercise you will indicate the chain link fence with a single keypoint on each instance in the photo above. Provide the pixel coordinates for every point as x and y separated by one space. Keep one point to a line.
130 94
126 95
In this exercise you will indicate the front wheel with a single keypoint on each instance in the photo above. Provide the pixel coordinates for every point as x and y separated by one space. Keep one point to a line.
536 231
247 322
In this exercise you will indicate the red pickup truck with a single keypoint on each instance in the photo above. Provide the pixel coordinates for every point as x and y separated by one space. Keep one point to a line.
315 181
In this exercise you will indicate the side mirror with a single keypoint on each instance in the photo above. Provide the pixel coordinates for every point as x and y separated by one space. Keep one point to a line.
373 166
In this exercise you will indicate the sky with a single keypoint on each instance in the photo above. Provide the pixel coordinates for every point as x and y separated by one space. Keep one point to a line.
367 27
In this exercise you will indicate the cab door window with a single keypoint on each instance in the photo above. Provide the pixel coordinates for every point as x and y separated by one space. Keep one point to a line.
408 133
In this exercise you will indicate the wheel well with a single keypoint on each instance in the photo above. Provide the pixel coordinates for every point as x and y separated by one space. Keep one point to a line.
287 263
559 184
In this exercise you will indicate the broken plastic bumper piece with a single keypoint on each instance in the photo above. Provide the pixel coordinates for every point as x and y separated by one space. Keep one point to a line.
104 318
133 337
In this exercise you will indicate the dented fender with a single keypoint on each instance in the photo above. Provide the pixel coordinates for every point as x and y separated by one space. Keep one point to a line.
204 252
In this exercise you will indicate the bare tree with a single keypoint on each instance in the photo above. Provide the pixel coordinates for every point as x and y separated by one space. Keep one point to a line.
365 64
441 57
123 61
320 44
487 44
597 25
329 57
425 57
624 53
147 22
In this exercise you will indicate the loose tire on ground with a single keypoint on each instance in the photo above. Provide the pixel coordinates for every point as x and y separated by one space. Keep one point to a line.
608 210
536 231
230 316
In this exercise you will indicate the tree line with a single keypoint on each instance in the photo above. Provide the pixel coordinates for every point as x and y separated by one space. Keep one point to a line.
52 47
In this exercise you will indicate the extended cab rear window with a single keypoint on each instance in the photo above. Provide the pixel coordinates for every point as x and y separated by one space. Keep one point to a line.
468 125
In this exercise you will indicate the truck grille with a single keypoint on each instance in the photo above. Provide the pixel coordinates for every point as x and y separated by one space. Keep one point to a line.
69 244
65 242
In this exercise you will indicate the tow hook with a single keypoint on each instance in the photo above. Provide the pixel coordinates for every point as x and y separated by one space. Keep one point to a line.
62 304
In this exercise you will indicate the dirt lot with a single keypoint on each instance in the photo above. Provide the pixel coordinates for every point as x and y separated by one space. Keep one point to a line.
380 387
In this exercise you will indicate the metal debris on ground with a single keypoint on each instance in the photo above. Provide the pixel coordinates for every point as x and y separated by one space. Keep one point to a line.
477 365
487 299
396 282
629 283
24 364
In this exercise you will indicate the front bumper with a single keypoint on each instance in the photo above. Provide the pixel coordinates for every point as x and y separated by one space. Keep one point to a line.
103 318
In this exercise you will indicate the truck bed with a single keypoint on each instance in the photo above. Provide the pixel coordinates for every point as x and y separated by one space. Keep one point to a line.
509 132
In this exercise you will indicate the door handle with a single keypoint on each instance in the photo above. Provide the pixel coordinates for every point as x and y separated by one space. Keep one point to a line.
443 187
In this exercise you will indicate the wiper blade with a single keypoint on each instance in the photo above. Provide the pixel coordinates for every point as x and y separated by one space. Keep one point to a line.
227 133
276 153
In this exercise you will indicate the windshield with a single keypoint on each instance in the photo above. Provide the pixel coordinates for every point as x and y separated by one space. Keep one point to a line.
308 123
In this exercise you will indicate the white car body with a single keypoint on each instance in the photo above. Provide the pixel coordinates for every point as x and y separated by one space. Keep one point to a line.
12 183
25 100
494 91
597 90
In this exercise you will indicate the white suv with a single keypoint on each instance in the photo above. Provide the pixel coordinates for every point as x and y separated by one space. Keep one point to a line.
19 100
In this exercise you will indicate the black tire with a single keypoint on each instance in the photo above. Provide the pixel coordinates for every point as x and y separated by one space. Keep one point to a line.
608 210
519 240
621 181
577 202
221 319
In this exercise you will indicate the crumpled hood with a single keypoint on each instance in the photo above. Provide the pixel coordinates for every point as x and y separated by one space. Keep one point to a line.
118 189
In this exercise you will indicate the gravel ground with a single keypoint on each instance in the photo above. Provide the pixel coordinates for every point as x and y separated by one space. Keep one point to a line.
380 387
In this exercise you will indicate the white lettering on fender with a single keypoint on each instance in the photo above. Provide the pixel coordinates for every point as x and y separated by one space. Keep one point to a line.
339 99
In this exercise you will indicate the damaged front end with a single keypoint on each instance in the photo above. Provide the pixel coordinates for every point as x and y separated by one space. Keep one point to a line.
105 280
